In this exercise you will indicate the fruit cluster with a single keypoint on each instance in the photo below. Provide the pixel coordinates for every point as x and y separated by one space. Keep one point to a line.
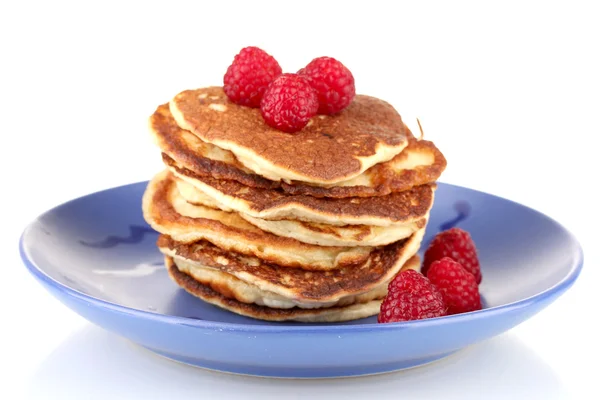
288 101
448 284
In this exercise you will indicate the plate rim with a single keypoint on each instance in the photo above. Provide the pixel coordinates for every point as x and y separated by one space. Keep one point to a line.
568 280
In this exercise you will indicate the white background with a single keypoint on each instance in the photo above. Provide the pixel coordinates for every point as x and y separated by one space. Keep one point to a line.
509 91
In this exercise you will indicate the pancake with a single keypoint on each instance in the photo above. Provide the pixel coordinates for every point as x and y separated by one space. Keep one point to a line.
234 288
419 163
332 235
395 208
168 213
331 314
369 131
312 232
304 287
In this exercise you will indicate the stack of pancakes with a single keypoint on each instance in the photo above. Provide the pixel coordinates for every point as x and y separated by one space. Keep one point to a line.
307 227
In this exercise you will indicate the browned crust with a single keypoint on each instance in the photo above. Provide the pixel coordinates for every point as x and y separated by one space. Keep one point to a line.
421 223
192 286
385 179
162 213
306 285
397 207
357 131
172 142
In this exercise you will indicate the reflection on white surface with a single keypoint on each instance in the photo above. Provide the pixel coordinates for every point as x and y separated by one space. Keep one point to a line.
143 269
95 364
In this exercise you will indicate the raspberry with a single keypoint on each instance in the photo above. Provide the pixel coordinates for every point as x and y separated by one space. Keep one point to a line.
289 103
411 296
456 244
333 82
249 75
458 286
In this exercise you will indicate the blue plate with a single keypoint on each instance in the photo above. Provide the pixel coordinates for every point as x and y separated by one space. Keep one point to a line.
97 256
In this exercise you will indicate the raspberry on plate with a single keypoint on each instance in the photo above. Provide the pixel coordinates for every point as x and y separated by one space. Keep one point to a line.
458 287
333 82
459 246
288 103
249 75
411 296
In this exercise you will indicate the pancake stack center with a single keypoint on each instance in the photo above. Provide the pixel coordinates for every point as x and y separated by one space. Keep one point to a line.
309 227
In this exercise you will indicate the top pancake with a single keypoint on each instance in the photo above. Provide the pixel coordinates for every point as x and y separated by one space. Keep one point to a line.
328 150
419 163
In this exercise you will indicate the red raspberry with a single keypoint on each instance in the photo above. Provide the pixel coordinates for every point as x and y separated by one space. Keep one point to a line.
458 286
289 103
456 244
333 82
249 75
411 296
